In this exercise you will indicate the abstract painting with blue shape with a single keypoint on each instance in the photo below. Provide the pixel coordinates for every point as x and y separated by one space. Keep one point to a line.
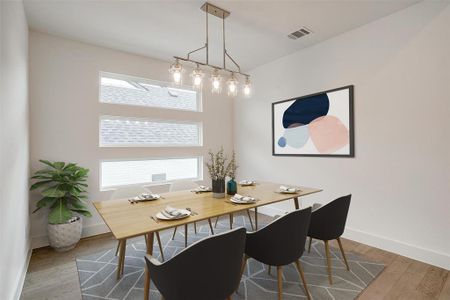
318 124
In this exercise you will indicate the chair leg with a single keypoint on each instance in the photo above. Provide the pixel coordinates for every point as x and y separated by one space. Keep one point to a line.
185 234
256 219
250 218
217 220
310 242
231 221
158 238
327 252
195 227
280 282
174 232
210 226
343 253
244 263
302 276
229 298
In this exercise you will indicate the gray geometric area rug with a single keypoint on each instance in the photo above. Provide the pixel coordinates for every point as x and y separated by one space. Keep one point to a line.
97 272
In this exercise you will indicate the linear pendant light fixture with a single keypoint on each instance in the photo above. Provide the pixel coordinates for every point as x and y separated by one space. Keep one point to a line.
232 83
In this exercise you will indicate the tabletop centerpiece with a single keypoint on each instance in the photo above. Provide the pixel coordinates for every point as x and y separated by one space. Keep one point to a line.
219 169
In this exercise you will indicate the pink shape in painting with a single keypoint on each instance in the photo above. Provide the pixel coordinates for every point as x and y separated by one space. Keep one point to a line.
328 134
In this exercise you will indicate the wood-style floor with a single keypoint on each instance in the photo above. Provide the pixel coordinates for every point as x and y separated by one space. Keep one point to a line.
53 275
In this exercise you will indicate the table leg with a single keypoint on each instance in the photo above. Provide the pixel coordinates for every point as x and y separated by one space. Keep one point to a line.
150 237
256 219
231 220
296 203
121 258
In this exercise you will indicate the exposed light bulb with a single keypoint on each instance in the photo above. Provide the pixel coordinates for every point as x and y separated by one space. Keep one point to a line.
232 85
197 76
215 79
247 87
176 69
177 76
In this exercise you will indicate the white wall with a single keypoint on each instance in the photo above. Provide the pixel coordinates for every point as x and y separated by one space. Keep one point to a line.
400 176
65 114
14 163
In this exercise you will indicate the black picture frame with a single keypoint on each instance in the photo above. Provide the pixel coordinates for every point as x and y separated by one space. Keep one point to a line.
351 124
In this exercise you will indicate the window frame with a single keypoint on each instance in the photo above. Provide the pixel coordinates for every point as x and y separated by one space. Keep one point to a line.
199 106
168 145
158 183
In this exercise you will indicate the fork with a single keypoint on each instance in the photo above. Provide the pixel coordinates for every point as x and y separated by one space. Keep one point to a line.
154 219
192 212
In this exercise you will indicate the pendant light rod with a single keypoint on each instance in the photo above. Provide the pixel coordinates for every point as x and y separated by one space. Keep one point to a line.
211 66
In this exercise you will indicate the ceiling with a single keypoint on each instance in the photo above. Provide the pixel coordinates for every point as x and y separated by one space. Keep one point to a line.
256 30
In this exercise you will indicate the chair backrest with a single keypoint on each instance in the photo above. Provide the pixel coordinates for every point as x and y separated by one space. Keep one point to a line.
206 270
129 192
281 242
328 222
183 185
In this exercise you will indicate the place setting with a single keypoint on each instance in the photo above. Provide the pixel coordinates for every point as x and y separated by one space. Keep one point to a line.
287 190
171 213
246 182
144 197
240 199
202 189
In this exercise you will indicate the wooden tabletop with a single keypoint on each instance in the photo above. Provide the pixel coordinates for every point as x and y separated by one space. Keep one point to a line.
127 220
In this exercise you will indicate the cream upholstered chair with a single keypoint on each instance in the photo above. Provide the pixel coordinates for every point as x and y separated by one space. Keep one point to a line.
130 192
186 185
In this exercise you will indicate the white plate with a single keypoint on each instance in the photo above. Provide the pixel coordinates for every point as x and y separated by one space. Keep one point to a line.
160 216
288 192
248 183
242 202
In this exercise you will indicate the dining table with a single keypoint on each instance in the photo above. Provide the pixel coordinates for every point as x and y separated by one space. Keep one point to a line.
127 219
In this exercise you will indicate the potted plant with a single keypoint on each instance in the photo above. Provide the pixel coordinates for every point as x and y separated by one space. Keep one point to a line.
218 169
63 190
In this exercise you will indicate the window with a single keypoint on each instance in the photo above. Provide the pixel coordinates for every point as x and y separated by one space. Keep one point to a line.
128 172
126 132
122 89
130 131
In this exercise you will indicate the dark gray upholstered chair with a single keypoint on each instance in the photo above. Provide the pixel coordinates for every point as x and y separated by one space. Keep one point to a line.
328 223
280 243
209 269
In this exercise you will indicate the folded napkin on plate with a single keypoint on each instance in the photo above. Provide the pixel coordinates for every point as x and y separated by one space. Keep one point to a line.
241 198
287 189
171 212
145 196
246 182
201 188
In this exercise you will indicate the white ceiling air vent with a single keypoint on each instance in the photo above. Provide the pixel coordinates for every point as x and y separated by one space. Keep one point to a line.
299 33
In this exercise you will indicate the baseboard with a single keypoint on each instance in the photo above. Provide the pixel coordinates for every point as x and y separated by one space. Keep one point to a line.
22 275
428 256
90 230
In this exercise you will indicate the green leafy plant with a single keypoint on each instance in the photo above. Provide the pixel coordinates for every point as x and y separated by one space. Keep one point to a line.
63 190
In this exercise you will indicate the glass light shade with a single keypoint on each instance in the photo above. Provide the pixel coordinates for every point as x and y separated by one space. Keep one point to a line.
216 82
176 69
247 88
197 77
232 86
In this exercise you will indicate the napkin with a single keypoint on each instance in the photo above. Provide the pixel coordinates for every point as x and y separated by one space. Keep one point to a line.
202 188
241 198
287 189
172 212
145 196
246 182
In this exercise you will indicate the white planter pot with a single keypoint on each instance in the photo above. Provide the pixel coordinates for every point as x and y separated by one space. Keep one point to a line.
63 237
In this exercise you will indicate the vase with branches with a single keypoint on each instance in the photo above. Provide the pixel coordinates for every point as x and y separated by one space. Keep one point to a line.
220 167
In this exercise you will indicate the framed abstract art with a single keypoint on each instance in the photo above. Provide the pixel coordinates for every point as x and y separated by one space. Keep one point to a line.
320 124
